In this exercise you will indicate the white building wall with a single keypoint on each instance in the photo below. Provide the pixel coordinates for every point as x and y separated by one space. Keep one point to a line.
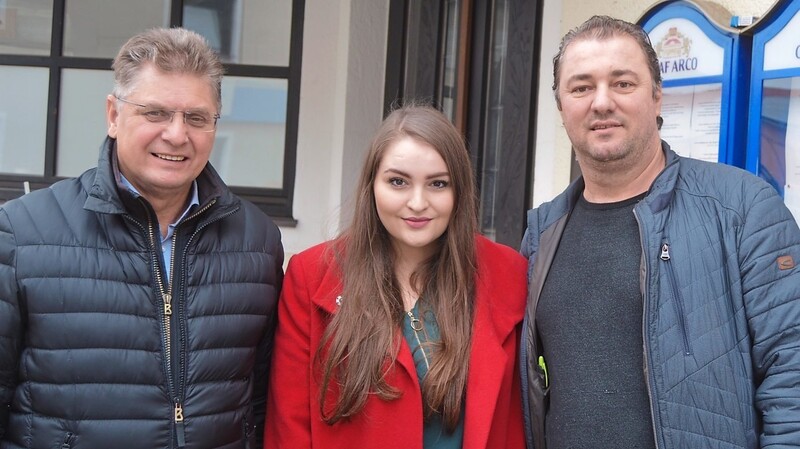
341 101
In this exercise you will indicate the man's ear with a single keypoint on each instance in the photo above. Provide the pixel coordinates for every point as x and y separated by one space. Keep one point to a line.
112 115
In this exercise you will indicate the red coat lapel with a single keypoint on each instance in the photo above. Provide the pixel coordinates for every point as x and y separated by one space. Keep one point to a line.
328 298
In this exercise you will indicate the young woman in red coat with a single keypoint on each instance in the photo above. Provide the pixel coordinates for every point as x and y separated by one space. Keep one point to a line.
402 332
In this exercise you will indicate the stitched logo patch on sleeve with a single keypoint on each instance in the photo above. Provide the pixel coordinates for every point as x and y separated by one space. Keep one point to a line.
785 262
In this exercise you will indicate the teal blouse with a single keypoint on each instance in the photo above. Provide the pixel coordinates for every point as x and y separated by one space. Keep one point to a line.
418 328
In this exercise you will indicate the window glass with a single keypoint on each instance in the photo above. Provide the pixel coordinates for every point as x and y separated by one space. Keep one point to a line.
25 26
251 133
779 158
243 31
493 144
98 28
450 87
82 119
23 119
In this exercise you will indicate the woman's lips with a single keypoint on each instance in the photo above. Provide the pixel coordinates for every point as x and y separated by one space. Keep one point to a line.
416 223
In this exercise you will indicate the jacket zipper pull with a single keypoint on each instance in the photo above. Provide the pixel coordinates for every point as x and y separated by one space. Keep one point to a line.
68 441
167 304
665 252
179 430
416 324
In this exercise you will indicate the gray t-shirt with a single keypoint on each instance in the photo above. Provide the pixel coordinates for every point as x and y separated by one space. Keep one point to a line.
589 318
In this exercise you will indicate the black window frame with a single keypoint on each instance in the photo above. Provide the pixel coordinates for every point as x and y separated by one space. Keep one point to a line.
276 202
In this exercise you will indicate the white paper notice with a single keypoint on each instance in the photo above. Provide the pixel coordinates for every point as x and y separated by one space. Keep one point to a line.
692 120
791 191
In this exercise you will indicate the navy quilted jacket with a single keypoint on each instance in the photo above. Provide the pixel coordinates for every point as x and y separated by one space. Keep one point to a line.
89 356
721 292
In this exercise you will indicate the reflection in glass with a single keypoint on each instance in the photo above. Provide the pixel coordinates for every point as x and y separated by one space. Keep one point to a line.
421 51
97 29
25 26
243 31
450 75
779 161
778 100
82 119
23 119
493 144
251 134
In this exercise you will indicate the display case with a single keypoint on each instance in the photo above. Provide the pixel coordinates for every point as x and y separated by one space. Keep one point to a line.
773 147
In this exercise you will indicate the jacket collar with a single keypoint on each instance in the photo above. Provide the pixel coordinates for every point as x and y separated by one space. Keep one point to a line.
658 196
107 195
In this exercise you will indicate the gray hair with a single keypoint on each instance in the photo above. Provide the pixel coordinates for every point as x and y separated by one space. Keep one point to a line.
170 50
602 28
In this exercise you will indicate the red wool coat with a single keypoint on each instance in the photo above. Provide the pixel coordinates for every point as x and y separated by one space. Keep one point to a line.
493 415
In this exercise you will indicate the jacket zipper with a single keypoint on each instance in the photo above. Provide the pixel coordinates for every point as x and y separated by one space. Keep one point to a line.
648 374
178 412
180 435
166 313
416 326
247 431
676 295
166 327
169 308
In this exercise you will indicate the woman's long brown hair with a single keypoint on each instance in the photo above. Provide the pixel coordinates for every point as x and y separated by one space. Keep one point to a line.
361 342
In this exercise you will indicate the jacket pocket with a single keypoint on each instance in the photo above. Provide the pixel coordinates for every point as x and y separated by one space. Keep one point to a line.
677 298
539 402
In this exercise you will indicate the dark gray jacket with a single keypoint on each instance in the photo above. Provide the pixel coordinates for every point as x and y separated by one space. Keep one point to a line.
88 356
721 291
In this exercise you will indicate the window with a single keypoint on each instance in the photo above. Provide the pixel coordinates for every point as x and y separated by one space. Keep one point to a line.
55 60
